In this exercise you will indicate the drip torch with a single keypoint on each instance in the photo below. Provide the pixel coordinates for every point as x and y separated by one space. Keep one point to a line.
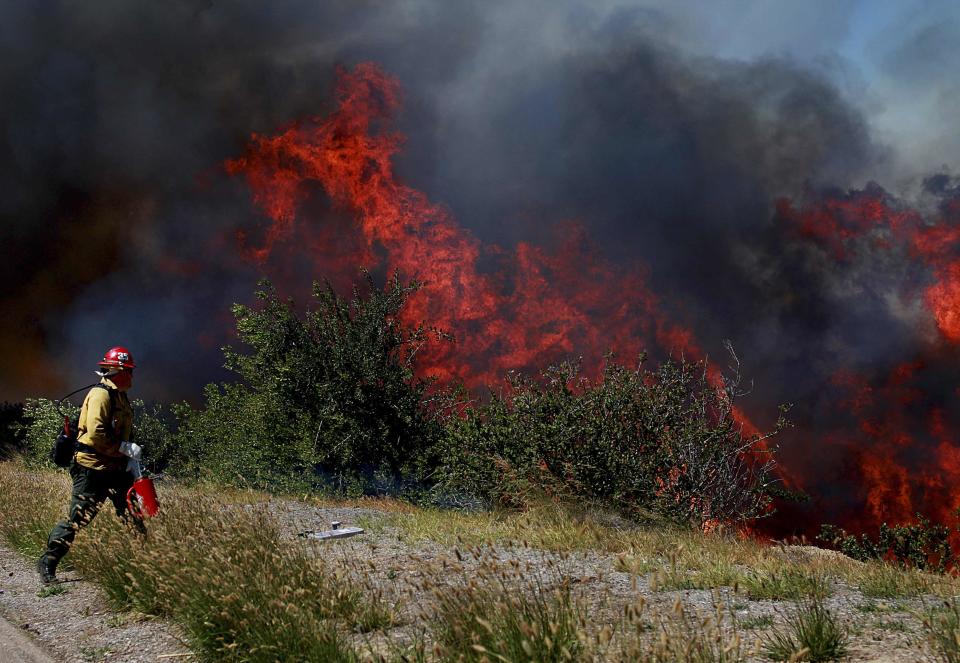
142 496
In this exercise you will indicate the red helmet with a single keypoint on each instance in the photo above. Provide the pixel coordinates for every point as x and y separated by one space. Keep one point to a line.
117 358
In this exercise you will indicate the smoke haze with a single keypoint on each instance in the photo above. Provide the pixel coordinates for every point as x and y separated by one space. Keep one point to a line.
671 134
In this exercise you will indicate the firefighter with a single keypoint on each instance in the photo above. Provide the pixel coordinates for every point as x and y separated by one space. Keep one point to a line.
104 454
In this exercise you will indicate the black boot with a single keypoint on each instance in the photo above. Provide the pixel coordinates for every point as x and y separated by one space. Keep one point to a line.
47 568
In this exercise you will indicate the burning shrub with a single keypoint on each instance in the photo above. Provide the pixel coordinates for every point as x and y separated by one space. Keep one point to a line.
664 441
924 545
329 397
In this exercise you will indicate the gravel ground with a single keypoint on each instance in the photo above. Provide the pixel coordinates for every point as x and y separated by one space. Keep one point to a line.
881 630
76 625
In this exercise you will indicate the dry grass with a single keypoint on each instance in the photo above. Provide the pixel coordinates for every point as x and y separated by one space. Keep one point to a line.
547 527
30 504
520 612
811 633
240 589
683 636
884 581
681 559
218 563
942 627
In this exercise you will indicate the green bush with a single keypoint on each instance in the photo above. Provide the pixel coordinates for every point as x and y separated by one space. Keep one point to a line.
152 429
42 422
329 398
241 437
661 441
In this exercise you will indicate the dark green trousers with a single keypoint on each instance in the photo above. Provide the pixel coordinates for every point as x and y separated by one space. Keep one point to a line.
90 489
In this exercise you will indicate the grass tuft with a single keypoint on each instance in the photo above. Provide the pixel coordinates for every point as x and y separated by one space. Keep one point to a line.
942 628
786 584
243 588
758 622
685 636
239 588
508 612
811 633
880 580
30 504
52 590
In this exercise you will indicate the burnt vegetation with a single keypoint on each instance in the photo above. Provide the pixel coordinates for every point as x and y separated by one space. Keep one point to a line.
328 400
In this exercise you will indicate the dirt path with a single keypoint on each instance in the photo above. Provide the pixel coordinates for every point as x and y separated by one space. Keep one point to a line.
72 622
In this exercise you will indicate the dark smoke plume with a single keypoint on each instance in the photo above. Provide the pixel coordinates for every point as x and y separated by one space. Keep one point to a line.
116 117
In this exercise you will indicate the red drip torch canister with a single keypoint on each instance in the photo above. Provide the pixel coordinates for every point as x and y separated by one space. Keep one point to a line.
142 498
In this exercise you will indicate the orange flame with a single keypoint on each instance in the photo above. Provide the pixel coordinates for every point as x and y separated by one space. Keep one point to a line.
541 306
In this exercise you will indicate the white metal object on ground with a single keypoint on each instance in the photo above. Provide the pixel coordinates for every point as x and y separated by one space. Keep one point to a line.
341 533
336 533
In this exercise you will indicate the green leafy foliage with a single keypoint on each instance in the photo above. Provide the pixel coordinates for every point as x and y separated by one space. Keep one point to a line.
326 398
661 441
923 545
42 421
152 429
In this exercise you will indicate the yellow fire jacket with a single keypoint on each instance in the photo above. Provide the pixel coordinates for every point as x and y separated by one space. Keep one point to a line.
95 428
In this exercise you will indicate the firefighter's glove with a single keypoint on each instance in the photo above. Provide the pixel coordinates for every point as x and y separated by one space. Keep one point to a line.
131 450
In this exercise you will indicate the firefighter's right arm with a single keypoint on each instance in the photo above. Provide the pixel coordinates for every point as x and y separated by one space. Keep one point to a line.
99 430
